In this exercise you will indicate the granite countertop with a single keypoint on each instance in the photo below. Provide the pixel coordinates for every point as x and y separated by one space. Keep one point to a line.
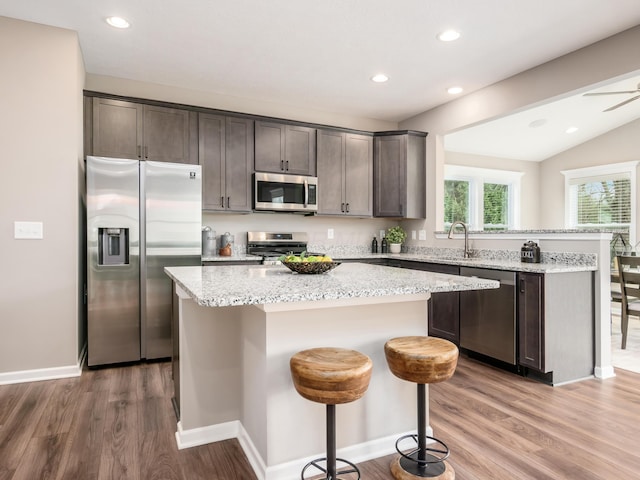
219 286
514 265
236 257
490 263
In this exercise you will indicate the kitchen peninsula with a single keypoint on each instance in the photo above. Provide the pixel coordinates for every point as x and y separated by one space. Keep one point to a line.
238 326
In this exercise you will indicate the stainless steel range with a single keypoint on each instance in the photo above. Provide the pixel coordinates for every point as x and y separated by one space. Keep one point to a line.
271 245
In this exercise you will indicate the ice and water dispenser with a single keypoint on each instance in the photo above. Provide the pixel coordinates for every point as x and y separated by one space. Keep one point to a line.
113 246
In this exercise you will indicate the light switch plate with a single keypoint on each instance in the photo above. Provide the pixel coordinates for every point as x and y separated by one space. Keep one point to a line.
28 230
422 235
330 233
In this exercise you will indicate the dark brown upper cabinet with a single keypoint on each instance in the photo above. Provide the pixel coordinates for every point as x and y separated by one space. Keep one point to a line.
226 156
399 174
345 173
281 148
125 129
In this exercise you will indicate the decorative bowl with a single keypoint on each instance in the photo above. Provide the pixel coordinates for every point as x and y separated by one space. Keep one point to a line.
310 267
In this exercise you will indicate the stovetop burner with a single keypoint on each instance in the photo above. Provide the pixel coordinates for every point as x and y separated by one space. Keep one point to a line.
271 245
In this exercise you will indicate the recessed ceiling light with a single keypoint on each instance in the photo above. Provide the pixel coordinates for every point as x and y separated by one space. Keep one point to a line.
117 22
448 35
537 123
571 129
379 78
454 90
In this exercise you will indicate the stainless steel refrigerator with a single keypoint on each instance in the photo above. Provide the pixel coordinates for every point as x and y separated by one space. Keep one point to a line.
141 217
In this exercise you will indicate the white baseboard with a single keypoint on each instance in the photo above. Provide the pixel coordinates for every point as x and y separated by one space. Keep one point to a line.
203 435
40 374
604 372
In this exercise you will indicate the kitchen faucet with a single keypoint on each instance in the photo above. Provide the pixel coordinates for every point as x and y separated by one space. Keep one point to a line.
466 236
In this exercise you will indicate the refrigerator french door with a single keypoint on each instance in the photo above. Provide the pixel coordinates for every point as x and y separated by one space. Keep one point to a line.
141 217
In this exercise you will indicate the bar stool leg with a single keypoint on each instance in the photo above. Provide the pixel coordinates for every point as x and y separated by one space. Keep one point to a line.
422 426
331 441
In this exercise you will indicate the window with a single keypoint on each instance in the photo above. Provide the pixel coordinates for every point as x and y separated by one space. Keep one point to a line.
484 199
602 197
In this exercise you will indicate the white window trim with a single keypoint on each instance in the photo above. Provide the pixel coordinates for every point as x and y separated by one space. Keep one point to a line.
477 176
600 171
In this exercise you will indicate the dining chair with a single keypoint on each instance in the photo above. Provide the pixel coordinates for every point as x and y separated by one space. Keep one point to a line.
629 273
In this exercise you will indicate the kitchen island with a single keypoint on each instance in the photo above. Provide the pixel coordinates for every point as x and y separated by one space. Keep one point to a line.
237 328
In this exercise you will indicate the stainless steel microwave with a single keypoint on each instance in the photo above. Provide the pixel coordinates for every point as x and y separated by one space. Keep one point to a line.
285 193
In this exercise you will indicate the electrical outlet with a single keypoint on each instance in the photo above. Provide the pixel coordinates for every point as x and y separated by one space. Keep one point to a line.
382 234
330 233
28 230
422 235
413 234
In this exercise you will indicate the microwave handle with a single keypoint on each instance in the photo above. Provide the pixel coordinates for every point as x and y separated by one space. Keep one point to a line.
306 194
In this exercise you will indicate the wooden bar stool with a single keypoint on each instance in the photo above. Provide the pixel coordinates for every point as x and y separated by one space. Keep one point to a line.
331 376
421 360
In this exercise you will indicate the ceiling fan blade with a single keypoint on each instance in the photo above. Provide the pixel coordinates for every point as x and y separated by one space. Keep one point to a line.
622 103
609 93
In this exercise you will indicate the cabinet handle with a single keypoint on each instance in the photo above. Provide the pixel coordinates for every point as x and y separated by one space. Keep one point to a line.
287 167
139 151
228 201
146 151
522 285
281 164
222 202
342 207
347 208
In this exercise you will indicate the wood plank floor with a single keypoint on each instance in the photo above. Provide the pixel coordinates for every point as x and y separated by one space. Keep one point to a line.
118 423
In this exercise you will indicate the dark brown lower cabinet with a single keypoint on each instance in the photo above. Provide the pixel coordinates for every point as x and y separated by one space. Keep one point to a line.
531 321
444 308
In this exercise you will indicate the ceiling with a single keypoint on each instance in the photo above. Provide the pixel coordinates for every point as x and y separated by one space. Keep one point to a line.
321 55
538 133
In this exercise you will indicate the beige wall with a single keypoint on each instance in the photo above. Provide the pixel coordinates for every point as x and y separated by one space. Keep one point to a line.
131 88
617 146
609 58
41 125
529 183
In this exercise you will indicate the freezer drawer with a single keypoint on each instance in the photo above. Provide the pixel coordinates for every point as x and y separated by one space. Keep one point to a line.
488 317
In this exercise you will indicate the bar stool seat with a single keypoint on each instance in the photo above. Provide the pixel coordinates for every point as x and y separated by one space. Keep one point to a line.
421 360
331 376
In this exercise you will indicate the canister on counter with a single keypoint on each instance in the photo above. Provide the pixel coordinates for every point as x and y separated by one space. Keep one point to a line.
530 252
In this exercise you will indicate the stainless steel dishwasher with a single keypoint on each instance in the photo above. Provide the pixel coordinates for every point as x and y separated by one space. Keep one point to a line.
488 317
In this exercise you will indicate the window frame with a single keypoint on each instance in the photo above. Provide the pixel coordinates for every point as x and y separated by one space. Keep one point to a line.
477 177
624 168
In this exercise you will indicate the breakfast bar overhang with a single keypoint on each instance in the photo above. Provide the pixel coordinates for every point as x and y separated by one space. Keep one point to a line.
236 328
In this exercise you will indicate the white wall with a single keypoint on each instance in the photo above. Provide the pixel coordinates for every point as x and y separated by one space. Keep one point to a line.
609 58
41 144
619 145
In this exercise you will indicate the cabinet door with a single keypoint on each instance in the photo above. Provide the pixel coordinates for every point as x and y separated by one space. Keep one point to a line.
300 150
390 176
444 316
269 146
238 164
531 321
117 129
358 175
166 135
330 172
212 155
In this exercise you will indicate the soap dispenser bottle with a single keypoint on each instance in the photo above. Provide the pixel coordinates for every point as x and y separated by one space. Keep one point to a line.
374 245
384 244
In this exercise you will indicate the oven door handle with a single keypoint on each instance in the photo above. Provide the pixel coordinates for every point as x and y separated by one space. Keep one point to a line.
306 194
